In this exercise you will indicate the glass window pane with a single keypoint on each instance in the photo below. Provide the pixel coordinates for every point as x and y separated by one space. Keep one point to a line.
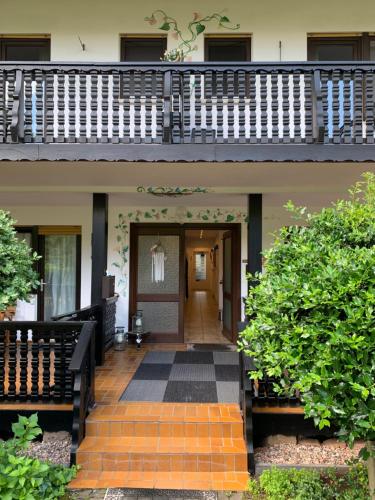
200 267
146 267
60 274
160 317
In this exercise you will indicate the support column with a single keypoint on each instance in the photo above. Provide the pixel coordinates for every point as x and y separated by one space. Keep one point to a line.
99 244
254 234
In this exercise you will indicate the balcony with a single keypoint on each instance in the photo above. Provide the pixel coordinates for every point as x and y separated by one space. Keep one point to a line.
187 112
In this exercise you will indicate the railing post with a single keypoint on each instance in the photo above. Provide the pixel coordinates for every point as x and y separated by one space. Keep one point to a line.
317 108
167 98
18 109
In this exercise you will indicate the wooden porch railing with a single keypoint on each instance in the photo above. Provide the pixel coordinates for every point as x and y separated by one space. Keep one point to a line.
49 362
202 103
104 315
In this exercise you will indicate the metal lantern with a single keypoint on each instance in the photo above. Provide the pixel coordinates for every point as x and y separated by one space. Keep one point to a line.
137 322
121 339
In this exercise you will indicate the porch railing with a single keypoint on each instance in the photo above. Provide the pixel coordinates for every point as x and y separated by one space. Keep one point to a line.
49 362
104 315
161 103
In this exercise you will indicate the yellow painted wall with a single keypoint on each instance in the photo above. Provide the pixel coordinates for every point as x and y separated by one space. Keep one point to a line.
99 24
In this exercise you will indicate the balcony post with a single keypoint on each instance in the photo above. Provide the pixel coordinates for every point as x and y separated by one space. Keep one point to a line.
99 244
167 91
18 111
254 235
317 108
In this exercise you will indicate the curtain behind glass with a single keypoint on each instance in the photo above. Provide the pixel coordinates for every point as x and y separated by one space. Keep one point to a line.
60 275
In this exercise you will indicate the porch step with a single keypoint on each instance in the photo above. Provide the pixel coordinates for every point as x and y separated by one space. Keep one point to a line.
166 445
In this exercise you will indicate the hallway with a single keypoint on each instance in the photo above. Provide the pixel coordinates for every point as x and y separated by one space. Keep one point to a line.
201 320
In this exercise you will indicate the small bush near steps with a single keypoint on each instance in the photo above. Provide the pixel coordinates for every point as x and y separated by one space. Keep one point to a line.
25 478
293 484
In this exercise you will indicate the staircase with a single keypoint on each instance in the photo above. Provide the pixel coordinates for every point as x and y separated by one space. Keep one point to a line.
164 446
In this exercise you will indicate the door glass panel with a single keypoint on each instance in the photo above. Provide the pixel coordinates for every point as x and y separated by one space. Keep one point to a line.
60 273
146 268
160 317
200 267
26 311
227 273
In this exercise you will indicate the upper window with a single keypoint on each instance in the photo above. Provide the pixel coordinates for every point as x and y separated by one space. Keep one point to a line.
227 49
24 49
343 48
143 49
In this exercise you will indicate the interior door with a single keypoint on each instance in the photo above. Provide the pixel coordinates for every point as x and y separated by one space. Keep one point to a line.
159 295
228 285
60 270
200 276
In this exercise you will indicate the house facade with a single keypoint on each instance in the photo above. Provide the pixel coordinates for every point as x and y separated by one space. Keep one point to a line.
173 176
185 144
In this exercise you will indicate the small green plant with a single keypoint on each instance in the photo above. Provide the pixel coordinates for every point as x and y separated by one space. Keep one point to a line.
17 275
194 28
25 478
287 484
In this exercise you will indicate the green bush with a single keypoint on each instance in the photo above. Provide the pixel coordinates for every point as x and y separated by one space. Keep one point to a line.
17 274
312 313
293 484
25 478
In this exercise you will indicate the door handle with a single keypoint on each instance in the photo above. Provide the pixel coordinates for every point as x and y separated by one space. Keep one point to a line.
42 283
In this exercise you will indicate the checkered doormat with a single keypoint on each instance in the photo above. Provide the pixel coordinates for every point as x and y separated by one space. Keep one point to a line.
185 377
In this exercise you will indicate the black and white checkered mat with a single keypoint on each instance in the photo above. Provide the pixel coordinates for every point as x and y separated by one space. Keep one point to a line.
185 377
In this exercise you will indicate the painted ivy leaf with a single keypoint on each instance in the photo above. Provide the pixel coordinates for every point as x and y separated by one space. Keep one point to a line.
224 19
115 264
165 27
200 28
118 238
230 218
164 211
189 215
148 215
126 248
205 217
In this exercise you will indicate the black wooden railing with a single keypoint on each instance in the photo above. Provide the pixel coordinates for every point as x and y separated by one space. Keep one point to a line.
49 362
104 315
163 103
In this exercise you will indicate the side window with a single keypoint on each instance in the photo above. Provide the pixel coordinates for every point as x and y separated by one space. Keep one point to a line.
344 48
143 49
227 49
25 49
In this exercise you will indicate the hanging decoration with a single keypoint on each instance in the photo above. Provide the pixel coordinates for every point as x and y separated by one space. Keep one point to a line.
158 258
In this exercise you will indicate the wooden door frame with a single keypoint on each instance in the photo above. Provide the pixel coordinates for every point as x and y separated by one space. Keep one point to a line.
235 228
137 228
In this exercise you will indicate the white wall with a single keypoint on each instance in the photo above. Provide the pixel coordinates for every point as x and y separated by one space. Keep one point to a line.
99 24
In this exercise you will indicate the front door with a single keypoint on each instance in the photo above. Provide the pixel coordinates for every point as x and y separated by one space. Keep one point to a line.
157 279
228 285
59 271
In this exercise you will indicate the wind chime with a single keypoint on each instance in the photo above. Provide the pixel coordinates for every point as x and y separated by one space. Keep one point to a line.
158 258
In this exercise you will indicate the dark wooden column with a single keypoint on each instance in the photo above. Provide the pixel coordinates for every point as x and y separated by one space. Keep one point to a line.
99 244
254 234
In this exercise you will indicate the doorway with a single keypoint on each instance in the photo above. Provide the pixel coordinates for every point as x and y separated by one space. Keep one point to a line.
195 295
59 270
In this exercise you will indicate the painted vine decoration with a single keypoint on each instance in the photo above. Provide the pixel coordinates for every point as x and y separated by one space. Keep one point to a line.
172 192
194 28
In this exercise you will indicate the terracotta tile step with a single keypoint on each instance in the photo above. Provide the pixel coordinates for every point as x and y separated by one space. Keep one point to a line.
162 445
169 412
162 462
141 428
221 481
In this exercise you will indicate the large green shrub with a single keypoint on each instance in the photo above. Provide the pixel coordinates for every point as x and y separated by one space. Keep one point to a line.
312 315
25 478
17 274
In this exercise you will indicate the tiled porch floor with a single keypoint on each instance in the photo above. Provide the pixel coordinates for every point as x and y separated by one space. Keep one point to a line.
158 445
201 320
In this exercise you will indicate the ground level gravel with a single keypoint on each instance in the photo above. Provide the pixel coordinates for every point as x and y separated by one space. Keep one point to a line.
56 451
304 455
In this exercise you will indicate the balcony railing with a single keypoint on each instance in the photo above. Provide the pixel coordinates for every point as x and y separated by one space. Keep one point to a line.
201 103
